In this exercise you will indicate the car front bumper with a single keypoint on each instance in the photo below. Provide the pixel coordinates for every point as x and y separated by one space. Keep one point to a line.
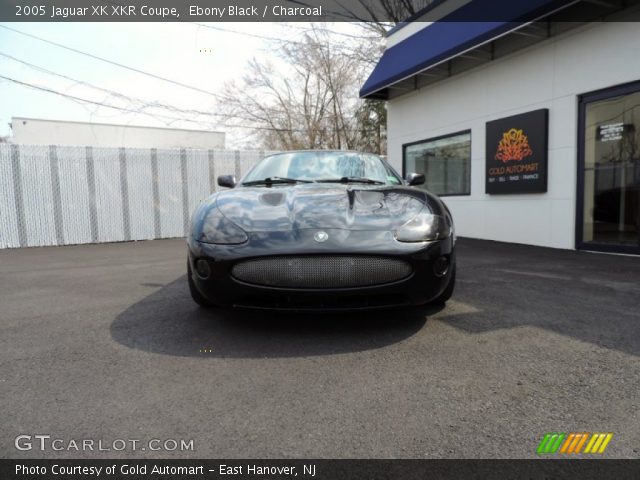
420 287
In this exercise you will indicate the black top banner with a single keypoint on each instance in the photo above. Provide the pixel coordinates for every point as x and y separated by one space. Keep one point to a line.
185 10
380 11
319 469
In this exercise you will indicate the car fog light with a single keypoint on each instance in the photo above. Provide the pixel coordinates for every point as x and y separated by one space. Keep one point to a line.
202 269
441 266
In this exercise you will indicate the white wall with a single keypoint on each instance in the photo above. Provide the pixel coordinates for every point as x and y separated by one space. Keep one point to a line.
31 131
548 75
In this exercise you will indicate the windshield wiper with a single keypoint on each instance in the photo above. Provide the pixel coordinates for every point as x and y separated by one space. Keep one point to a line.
276 180
351 180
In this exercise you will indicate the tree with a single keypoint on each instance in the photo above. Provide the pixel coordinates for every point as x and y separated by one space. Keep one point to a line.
372 117
308 97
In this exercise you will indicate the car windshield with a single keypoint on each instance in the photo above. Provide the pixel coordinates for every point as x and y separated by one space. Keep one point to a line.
318 166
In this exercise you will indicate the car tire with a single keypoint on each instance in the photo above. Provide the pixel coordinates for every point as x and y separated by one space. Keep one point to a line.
447 292
195 293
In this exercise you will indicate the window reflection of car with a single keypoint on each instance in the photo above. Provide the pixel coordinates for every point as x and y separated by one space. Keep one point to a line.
321 230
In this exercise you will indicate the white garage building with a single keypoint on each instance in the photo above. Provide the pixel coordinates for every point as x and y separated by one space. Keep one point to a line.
529 130
38 131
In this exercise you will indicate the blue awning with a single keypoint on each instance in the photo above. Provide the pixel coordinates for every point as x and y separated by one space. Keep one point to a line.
452 35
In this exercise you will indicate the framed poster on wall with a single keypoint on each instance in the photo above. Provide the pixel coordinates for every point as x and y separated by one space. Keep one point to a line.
516 153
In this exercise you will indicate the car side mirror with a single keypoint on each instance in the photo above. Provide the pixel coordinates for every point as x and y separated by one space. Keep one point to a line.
227 181
415 178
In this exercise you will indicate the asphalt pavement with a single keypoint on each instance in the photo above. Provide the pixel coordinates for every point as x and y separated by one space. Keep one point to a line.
102 342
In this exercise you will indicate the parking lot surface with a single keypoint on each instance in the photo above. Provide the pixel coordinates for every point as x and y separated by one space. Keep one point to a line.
104 342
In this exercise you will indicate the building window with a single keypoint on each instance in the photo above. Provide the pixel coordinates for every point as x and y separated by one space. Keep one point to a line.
445 162
609 170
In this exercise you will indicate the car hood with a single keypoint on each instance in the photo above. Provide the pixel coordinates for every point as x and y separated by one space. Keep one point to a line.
301 206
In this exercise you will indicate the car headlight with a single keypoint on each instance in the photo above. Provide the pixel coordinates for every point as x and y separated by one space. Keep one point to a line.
424 228
216 228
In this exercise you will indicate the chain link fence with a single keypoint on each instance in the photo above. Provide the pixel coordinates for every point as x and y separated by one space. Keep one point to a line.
54 195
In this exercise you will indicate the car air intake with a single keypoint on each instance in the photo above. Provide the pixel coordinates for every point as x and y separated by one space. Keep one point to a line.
337 271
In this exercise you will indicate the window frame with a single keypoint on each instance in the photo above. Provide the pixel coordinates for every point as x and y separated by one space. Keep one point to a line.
433 139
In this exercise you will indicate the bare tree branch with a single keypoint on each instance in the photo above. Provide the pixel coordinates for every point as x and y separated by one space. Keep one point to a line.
307 97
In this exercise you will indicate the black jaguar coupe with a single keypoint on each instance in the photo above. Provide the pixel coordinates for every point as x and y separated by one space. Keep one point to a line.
321 230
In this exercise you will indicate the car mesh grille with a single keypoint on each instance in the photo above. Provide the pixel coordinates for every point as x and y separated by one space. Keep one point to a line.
337 271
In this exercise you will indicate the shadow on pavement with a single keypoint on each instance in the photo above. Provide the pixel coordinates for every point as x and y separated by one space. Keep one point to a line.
168 322
589 297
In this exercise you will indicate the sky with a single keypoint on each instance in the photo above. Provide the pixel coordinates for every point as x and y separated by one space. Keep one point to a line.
204 56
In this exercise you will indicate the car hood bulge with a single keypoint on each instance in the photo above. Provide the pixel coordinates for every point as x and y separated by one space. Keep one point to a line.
283 208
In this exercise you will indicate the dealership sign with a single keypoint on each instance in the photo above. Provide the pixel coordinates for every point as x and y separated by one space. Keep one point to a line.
516 153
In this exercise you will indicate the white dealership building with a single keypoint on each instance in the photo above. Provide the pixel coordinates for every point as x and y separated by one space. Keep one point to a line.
529 130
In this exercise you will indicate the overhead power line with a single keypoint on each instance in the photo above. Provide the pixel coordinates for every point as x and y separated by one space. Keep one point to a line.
344 50
142 112
145 103
246 34
134 100
93 102
142 72
124 109
120 65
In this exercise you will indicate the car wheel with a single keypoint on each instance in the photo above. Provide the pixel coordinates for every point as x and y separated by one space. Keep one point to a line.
195 293
447 292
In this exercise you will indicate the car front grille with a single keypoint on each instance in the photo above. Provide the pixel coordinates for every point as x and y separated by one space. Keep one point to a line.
336 271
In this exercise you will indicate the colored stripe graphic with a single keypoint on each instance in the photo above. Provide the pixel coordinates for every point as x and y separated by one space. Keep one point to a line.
581 442
550 443
573 443
606 441
556 444
598 442
590 444
543 443
571 447
565 447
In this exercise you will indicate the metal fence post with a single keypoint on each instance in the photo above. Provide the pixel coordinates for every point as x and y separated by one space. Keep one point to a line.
124 192
57 198
19 196
212 172
157 231
238 172
185 190
91 189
